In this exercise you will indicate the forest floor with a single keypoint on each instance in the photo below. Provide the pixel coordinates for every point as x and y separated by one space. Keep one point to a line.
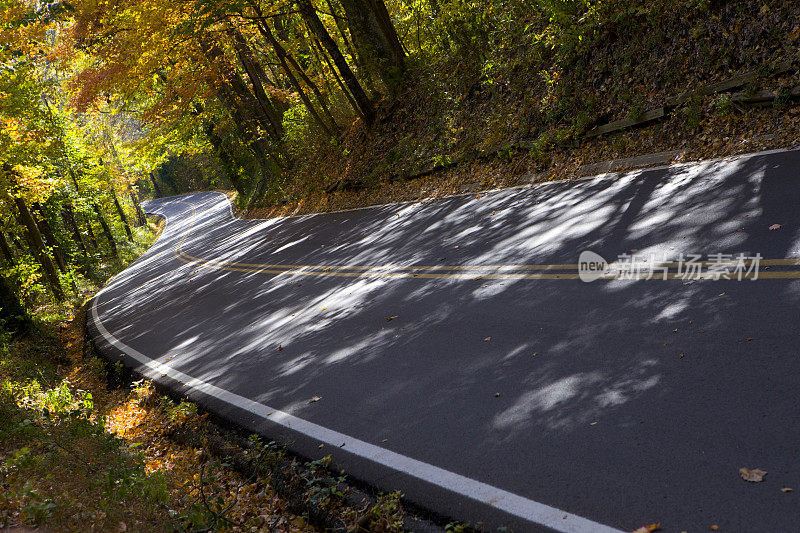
86 447
739 131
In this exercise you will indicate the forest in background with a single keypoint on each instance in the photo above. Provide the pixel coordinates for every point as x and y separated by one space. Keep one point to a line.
101 101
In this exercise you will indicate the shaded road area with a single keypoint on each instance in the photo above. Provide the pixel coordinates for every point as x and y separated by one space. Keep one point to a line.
446 348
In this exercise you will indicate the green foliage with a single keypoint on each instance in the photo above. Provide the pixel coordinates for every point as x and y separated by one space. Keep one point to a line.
694 111
268 454
723 104
55 453
387 513
299 133
321 487
459 527
783 97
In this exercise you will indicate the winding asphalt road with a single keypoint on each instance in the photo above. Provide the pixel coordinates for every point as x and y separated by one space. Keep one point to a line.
448 349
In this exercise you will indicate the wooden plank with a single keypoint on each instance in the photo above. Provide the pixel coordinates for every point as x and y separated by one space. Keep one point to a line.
647 116
762 97
734 82
755 98
639 161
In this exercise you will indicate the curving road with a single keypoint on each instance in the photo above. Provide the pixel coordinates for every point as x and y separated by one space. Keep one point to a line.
448 349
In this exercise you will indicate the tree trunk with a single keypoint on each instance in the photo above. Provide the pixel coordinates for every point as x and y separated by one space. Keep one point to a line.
260 150
252 68
74 179
319 64
6 249
323 101
338 79
37 246
364 105
156 188
122 216
141 220
234 94
225 157
263 28
376 40
106 231
90 232
13 315
92 238
17 243
357 59
68 217
49 237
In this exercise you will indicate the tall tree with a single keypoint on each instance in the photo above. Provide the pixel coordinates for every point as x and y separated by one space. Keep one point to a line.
284 58
13 316
376 40
364 106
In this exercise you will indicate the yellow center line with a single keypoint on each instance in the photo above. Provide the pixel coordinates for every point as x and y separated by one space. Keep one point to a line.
474 272
315 270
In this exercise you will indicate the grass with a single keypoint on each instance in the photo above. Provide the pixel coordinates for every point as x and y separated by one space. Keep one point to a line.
77 454
59 466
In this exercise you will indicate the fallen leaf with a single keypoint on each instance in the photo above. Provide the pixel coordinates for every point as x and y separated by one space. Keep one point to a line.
681 355
787 489
648 528
388 318
280 347
314 399
496 394
714 527
748 339
487 339
754 476
774 227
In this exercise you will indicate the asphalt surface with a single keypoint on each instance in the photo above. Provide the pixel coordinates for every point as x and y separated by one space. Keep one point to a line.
485 388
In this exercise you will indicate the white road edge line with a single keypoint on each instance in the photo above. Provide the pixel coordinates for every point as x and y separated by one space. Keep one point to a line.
511 503
508 502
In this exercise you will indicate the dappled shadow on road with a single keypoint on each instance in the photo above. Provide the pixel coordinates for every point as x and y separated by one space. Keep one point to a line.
466 367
